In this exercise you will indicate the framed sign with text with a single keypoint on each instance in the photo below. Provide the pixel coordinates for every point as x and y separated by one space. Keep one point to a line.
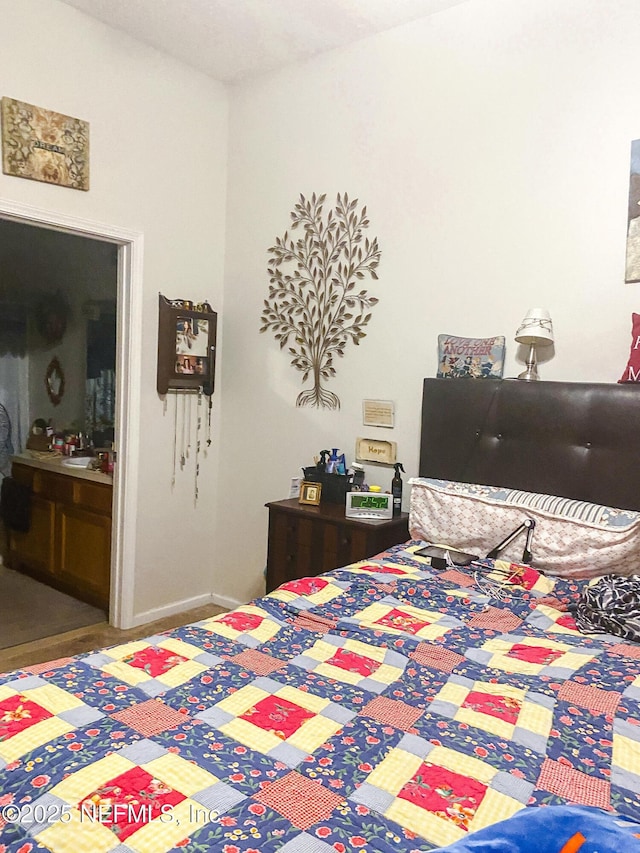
379 413
44 146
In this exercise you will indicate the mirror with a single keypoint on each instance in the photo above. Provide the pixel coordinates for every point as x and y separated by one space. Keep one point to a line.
54 381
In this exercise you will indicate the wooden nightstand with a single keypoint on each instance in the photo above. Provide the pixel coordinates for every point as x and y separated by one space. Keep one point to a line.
306 540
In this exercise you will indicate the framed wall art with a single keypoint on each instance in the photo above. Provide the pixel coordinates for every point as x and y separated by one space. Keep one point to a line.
632 266
44 146
378 413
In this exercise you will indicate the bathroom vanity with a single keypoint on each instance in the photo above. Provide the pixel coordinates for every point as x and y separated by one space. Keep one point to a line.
68 545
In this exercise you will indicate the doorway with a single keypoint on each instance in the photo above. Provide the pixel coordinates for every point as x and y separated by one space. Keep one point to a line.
127 248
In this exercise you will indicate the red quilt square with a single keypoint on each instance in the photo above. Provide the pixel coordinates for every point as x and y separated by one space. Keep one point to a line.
379 569
38 668
573 785
150 718
626 650
457 577
301 801
313 622
18 713
448 795
242 622
496 619
154 661
534 654
567 621
402 621
590 697
277 715
392 712
305 586
523 576
387 588
257 662
503 707
352 662
129 801
436 657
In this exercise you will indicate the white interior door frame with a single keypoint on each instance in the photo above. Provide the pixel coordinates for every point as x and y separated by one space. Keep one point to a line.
128 387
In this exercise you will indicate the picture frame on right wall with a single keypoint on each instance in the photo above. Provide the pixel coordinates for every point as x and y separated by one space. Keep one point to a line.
632 265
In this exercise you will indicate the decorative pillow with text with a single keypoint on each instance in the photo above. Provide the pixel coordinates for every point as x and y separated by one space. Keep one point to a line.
475 358
632 370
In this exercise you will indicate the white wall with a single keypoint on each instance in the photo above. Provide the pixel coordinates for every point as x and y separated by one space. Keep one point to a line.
491 146
158 166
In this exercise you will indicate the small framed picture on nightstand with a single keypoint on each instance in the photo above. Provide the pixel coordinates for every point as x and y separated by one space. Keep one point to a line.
310 493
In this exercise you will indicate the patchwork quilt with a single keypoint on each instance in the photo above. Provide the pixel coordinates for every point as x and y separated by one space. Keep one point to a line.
384 706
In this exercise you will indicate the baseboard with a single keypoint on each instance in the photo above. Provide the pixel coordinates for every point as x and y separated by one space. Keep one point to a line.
226 602
183 606
158 613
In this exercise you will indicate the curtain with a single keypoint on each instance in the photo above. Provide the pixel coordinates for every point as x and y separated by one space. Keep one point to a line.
14 400
100 406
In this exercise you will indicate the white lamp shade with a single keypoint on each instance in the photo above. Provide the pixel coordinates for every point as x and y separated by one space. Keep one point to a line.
536 328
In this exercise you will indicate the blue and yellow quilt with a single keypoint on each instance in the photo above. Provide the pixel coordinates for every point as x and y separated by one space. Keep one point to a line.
384 706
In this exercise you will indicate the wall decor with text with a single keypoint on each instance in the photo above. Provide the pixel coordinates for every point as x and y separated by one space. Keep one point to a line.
44 146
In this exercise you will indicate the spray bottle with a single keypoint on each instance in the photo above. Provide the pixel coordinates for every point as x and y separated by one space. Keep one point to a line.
358 477
396 488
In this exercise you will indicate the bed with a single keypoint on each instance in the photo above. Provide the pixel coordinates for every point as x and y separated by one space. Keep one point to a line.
385 705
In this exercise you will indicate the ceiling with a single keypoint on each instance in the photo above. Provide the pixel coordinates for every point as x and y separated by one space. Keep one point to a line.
232 40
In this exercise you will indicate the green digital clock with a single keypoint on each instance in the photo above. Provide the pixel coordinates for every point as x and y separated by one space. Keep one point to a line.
369 505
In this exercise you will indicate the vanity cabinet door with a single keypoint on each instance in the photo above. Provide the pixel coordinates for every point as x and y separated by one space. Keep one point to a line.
35 550
83 552
69 541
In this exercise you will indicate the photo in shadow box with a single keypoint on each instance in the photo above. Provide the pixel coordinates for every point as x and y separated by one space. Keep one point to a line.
192 336
190 365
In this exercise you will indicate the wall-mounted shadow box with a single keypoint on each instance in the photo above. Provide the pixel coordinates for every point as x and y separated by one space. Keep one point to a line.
186 345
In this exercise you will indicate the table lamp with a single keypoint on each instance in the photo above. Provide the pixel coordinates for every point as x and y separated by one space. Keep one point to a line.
535 330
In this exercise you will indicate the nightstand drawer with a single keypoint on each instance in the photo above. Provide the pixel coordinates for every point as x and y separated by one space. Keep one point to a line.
305 540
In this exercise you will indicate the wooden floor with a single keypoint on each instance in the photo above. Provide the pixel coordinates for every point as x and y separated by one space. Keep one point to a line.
30 610
85 640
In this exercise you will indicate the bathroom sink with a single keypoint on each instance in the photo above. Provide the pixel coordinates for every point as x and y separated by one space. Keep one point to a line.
78 461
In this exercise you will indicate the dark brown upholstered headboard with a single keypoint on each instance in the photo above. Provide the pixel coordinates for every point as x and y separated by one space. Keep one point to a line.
574 439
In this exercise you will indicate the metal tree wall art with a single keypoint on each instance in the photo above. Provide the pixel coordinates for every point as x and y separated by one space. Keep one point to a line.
313 304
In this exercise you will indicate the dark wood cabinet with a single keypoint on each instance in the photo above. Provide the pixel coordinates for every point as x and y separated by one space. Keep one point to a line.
305 540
